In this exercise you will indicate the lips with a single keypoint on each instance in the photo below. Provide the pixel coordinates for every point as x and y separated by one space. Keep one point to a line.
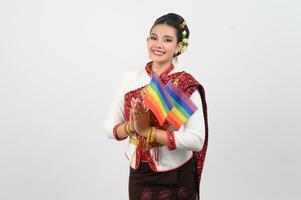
158 52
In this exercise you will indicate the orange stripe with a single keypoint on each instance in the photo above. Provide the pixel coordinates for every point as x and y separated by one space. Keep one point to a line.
156 104
155 111
154 108
173 123
174 119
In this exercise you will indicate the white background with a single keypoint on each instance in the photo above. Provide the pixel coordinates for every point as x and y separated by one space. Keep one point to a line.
61 60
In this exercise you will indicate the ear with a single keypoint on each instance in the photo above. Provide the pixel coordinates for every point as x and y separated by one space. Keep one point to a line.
147 39
179 46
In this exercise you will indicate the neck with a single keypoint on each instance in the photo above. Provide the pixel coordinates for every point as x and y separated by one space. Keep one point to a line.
159 68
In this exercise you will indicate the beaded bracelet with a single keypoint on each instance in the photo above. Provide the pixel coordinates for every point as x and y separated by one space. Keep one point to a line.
171 141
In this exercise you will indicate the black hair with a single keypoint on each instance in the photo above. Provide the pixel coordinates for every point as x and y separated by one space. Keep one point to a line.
173 20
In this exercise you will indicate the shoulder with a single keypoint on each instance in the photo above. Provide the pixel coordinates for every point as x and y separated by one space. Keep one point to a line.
191 83
188 78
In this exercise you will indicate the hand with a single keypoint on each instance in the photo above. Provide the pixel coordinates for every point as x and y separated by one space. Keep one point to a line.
131 123
141 117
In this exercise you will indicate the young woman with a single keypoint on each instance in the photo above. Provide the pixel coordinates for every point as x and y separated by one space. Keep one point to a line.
165 163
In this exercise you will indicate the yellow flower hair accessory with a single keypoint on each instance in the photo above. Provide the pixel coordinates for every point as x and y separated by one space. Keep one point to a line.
184 41
183 24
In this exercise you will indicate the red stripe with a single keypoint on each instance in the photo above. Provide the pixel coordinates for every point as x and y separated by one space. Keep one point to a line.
154 108
174 120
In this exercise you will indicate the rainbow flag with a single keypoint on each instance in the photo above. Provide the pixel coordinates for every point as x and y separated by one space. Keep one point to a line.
157 99
183 106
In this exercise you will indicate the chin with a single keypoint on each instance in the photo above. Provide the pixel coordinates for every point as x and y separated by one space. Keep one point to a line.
158 59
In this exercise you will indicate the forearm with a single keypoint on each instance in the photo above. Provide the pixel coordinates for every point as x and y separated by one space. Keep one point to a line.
192 140
161 135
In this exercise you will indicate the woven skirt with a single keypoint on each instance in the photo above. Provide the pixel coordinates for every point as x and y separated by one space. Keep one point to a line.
145 184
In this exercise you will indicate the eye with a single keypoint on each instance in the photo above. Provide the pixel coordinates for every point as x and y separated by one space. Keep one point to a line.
168 40
153 38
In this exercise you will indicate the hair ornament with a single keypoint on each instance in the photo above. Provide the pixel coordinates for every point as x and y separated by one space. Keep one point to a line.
183 24
184 41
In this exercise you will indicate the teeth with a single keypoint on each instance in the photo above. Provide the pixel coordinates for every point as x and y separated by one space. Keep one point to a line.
158 52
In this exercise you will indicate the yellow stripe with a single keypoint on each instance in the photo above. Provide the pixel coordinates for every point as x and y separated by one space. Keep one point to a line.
155 96
180 115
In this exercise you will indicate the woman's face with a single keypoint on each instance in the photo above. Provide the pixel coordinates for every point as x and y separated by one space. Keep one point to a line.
162 43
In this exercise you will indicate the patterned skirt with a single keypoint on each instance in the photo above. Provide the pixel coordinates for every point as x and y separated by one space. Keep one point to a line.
145 184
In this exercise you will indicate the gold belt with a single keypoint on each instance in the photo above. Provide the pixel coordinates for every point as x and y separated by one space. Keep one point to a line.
142 143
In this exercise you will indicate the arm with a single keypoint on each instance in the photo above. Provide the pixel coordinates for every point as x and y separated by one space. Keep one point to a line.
114 123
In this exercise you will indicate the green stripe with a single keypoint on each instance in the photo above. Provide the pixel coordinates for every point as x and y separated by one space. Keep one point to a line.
181 109
153 86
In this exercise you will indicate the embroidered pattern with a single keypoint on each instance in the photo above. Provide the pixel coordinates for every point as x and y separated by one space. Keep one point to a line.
146 194
182 192
165 195
171 141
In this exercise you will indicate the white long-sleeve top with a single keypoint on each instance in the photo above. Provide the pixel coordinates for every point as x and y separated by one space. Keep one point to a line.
190 136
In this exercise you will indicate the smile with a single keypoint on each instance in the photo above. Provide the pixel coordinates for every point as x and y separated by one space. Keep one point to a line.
158 53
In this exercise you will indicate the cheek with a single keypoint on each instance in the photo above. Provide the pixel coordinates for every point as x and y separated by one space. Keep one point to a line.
150 43
171 47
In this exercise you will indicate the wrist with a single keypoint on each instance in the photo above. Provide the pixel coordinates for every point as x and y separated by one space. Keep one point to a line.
131 128
127 129
145 131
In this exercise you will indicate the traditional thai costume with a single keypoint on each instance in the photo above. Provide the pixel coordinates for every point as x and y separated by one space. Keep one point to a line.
170 171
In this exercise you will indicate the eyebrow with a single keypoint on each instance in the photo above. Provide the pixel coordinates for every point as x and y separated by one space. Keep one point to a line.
168 36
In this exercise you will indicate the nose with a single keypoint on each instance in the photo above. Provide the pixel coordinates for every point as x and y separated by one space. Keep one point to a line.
158 44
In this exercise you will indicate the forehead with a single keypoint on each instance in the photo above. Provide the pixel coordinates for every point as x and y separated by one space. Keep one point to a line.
164 29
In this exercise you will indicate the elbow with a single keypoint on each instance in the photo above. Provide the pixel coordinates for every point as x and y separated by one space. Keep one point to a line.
196 143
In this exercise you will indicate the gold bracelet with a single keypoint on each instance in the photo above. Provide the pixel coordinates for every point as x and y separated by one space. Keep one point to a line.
130 129
149 137
153 135
125 128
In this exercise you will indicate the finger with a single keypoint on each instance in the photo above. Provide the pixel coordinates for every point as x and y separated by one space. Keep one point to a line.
135 102
134 117
131 113
140 106
136 112
140 109
137 109
131 117
133 106
144 107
